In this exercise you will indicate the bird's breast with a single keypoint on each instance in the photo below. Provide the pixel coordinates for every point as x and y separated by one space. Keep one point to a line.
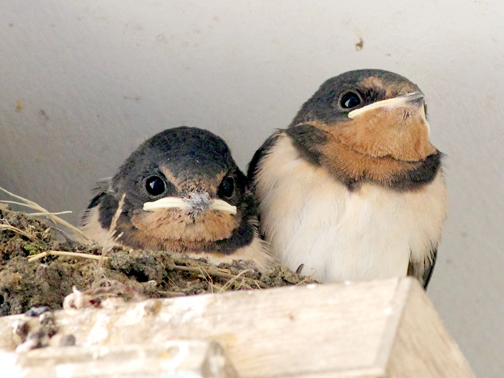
312 219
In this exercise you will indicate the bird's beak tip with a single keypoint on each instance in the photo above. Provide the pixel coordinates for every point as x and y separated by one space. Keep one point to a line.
414 97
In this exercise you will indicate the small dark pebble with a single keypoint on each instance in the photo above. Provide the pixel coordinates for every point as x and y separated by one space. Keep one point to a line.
37 337
47 319
21 329
48 324
36 311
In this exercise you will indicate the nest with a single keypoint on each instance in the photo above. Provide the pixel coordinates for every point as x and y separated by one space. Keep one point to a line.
40 265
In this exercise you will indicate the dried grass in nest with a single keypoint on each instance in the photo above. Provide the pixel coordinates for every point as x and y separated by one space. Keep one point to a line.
41 264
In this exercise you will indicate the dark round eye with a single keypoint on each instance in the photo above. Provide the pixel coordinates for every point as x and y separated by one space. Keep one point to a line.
350 100
155 185
226 188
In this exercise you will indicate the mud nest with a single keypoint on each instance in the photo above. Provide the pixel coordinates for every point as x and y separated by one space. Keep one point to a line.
29 278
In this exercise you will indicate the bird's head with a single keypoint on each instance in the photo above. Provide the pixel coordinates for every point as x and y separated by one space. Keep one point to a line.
364 125
182 191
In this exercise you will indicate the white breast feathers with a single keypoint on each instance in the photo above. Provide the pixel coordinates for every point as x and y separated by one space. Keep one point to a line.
369 233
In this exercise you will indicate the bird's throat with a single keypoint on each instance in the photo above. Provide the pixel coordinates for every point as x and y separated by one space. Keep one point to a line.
172 230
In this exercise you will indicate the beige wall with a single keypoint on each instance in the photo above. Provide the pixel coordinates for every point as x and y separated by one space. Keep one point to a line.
82 83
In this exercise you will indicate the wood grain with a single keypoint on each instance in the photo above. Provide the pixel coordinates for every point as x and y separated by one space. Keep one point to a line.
183 359
364 329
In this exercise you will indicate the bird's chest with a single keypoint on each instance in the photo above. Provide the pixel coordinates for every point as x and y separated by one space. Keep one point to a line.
312 219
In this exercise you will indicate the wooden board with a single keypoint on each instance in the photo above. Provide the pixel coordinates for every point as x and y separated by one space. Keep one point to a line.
364 329
183 359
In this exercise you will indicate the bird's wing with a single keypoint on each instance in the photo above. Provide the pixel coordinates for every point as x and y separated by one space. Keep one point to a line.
252 170
103 187
260 153
422 270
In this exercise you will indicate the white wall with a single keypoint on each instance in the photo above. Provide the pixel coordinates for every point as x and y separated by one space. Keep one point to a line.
82 83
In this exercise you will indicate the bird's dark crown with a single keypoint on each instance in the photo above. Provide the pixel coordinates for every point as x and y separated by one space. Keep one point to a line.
186 159
371 85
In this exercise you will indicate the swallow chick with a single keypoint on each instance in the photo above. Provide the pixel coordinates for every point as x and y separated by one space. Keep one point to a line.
180 191
353 189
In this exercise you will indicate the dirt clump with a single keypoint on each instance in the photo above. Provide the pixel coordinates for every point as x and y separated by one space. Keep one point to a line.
31 278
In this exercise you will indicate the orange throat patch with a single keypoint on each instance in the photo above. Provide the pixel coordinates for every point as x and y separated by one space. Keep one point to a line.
180 230
347 164
377 145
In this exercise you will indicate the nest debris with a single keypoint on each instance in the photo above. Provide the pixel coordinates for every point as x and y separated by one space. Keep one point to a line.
40 264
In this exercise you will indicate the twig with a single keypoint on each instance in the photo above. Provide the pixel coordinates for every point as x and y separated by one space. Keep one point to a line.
232 280
214 272
15 229
117 214
100 272
172 293
113 228
35 206
45 214
65 253
198 270
19 203
207 277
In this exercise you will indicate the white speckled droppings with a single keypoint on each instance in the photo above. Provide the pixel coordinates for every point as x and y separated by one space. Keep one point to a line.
65 370
191 310
132 316
99 331
184 310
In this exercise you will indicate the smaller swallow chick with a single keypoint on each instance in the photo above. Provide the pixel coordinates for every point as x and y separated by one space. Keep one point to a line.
180 191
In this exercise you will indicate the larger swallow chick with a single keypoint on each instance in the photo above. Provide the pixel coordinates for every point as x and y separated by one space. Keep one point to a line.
180 191
353 189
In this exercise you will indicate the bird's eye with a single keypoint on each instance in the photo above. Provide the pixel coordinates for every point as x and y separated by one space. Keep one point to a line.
227 187
155 186
350 100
